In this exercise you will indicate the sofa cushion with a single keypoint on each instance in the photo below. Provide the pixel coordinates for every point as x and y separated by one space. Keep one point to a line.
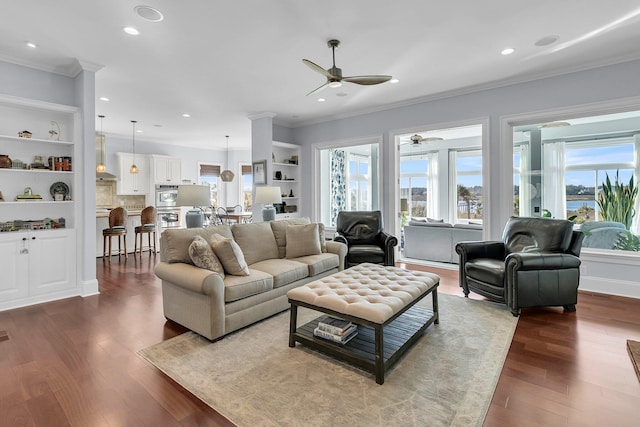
230 255
279 229
284 271
256 241
320 263
303 240
202 256
238 287
177 241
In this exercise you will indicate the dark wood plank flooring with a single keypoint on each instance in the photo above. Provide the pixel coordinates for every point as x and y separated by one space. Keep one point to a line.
73 362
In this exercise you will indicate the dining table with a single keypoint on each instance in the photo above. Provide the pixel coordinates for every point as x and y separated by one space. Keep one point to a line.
238 217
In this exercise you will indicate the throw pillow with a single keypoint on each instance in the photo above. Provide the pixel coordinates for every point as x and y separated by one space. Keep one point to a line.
303 240
202 256
230 255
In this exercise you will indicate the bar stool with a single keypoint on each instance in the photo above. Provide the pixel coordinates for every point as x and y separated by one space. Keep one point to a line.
118 228
147 226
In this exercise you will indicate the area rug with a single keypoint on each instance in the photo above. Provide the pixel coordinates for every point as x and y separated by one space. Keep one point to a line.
253 378
633 347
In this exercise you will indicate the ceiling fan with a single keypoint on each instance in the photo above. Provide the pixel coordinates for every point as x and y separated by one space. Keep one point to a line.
418 139
334 74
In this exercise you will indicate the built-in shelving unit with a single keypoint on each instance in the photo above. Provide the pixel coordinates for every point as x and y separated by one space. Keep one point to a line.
39 262
286 175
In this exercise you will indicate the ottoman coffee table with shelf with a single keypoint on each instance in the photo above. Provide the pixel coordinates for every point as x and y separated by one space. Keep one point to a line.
381 300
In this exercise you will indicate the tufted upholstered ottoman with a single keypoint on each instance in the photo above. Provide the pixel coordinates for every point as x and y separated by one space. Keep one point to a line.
380 300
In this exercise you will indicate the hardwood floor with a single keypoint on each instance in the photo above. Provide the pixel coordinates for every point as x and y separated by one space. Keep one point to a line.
73 362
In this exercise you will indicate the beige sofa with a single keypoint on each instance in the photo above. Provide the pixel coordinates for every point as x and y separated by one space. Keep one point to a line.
204 302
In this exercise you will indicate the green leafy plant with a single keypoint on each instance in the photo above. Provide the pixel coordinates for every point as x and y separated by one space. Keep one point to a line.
616 201
627 241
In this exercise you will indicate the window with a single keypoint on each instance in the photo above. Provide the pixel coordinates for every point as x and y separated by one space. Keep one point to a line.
246 187
349 180
414 175
560 168
208 174
467 184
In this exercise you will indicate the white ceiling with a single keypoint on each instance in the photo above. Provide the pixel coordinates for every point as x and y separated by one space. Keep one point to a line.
224 61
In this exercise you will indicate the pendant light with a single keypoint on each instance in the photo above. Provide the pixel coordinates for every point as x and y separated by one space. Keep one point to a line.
101 168
227 175
134 169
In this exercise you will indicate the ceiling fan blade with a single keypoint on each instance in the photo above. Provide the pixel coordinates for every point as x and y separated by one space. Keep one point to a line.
317 68
318 89
367 80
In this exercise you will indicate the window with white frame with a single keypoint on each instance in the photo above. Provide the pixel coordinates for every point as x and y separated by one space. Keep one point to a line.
209 174
419 184
349 180
246 187
466 184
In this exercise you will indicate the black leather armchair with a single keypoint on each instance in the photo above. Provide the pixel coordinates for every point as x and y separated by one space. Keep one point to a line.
362 232
536 264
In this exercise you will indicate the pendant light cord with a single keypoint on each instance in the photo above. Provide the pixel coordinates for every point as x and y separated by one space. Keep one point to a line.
102 140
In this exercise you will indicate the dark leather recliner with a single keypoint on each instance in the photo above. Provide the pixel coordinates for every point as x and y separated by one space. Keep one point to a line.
536 264
362 232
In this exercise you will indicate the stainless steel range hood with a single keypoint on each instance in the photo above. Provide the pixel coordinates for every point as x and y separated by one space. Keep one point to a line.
100 155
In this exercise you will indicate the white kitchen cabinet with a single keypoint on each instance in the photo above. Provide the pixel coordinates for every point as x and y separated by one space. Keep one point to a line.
129 183
165 170
38 265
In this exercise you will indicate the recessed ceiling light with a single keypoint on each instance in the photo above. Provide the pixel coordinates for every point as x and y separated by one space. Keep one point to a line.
148 13
104 98
157 126
341 94
32 45
394 81
139 131
547 40
508 51
131 31
186 115
321 99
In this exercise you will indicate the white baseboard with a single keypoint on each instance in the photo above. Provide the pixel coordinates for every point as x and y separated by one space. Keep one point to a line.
90 287
602 285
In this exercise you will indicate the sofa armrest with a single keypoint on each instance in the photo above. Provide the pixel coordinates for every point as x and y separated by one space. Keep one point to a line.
388 243
486 249
192 278
337 237
339 249
531 261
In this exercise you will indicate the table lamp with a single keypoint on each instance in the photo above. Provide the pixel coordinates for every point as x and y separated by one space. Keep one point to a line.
195 196
267 196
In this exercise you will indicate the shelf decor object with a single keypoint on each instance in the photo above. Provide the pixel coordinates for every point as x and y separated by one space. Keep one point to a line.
134 169
227 175
54 132
267 196
195 196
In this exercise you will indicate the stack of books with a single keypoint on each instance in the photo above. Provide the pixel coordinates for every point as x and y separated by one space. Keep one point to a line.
336 330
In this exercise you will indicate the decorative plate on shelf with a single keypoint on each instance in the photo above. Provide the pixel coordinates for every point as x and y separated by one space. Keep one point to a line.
59 188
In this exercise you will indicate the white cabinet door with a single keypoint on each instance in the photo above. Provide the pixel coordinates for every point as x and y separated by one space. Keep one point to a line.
132 184
166 170
51 261
14 283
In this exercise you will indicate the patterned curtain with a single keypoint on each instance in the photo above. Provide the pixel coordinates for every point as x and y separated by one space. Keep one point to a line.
337 183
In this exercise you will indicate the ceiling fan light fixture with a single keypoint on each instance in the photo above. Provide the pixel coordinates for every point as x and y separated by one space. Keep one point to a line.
335 84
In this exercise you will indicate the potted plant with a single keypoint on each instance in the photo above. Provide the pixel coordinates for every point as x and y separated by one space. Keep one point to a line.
616 201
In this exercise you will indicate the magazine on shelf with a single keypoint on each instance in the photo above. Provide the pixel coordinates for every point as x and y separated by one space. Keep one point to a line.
334 325
339 339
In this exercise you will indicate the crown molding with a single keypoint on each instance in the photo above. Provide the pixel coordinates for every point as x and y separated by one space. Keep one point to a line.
264 115
69 70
